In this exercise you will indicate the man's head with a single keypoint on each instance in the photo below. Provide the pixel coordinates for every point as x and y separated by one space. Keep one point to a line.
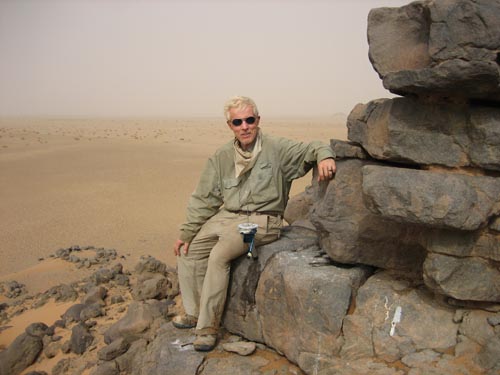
243 119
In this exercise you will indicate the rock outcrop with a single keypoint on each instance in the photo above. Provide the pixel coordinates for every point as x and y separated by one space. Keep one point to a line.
408 231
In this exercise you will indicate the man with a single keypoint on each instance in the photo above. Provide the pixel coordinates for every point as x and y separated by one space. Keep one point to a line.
248 179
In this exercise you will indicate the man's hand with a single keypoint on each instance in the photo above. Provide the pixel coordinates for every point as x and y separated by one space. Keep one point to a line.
326 169
180 244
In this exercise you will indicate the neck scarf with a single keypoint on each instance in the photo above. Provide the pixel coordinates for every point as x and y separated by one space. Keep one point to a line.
245 160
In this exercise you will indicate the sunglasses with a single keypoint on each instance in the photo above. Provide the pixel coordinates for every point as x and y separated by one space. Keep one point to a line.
239 121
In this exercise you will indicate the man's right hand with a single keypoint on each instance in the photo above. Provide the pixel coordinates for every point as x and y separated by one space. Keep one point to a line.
180 244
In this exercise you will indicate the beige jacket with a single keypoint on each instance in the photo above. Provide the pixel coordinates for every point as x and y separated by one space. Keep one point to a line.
265 187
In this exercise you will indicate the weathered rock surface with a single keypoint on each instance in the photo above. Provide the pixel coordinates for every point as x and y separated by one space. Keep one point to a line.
440 200
471 278
292 292
409 131
23 351
241 347
81 338
171 352
438 47
138 319
352 234
242 313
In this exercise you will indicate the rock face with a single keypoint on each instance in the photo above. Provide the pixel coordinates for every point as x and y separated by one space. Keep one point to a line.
405 276
438 48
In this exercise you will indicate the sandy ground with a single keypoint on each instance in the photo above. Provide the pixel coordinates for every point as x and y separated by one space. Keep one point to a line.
120 184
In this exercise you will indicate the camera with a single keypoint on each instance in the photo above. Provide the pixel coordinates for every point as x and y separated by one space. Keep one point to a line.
248 230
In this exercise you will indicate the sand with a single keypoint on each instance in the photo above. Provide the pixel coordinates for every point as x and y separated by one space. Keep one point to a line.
113 183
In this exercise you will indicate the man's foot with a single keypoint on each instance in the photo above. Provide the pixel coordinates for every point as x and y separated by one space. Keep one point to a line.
184 321
204 343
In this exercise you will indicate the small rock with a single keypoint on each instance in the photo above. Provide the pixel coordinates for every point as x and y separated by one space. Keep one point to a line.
96 294
113 350
106 368
37 330
66 347
80 339
73 313
494 320
63 293
102 276
51 350
61 367
91 311
122 280
241 347
116 299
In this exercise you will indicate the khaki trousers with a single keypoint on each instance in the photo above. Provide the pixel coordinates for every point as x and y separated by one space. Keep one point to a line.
204 270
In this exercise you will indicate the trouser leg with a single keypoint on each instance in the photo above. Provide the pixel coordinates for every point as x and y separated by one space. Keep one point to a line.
213 295
204 271
192 267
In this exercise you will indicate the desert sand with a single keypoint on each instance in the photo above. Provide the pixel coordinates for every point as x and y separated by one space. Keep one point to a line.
115 183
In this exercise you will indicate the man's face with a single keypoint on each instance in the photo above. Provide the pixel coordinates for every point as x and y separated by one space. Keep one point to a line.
244 133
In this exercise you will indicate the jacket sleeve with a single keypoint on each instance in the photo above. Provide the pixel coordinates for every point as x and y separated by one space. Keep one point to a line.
298 157
203 203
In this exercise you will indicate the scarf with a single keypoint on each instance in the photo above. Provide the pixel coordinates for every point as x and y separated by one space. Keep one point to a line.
245 160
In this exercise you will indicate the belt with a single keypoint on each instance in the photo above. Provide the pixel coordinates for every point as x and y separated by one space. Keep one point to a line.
267 213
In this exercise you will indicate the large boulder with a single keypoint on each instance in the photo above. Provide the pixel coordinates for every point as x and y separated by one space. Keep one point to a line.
140 317
468 278
414 132
442 200
293 291
445 48
421 323
23 351
352 234
242 314
170 352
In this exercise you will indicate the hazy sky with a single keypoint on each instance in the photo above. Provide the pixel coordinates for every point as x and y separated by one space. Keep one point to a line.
184 58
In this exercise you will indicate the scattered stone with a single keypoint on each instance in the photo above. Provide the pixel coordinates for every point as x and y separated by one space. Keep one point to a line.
50 350
73 313
102 276
242 347
122 280
106 368
80 339
91 311
22 352
12 289
37 330
63 293
156 287
61 367
116 299
151 265
96 295
66 347
113 350
139 318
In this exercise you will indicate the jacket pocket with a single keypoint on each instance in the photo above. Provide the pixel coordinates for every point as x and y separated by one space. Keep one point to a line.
262 183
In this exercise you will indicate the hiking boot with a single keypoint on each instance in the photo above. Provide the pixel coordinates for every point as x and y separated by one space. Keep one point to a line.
204 343
184 321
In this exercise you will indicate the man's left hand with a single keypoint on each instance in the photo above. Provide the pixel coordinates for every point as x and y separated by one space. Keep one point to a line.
326 169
